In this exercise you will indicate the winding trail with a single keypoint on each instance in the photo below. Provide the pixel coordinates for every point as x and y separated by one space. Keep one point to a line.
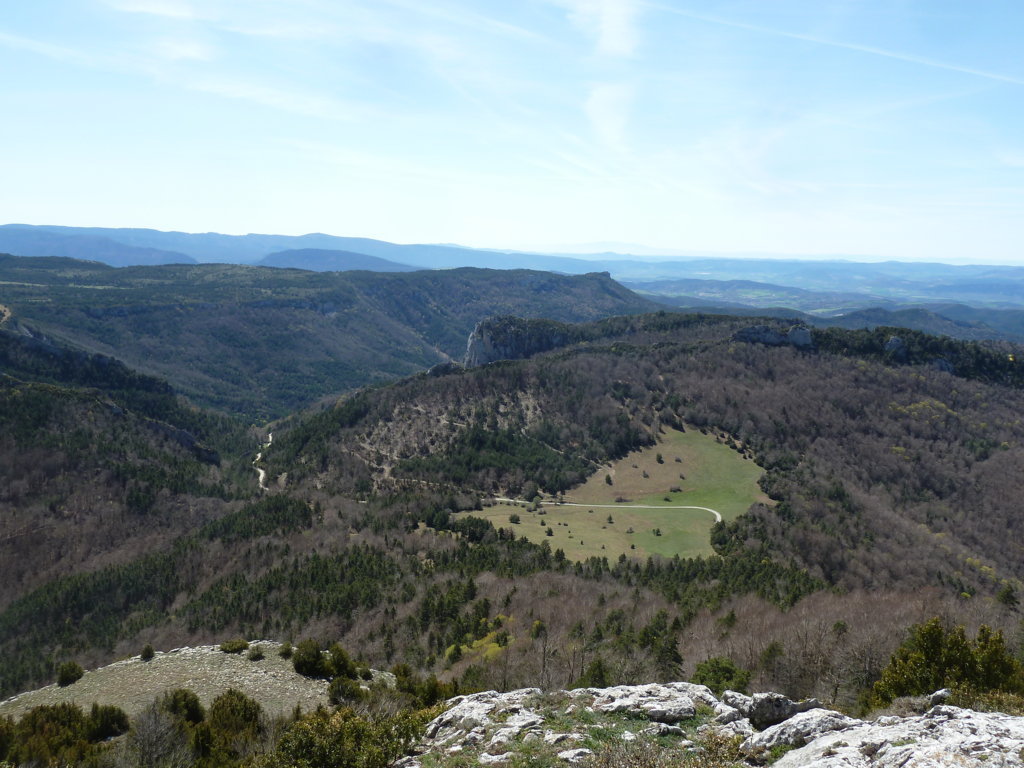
718 516
260 472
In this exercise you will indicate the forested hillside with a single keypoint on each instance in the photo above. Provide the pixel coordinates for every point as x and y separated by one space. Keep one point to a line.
889 463
98 462
263 342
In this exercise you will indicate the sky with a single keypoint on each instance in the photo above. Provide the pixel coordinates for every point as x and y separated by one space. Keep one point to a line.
868 129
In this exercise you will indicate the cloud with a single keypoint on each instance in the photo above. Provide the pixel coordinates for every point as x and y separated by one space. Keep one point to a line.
607 108
610 22
871 50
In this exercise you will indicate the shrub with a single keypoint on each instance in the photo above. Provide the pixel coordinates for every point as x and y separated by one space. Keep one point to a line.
720 673
234 646
255 654
341 664
345 740
69 672
184 705
105 722
53 734
310 661
147 652
236 723
344 690
596 675
286 650
935 657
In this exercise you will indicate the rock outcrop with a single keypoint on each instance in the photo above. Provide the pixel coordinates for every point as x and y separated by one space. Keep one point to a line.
798 336
492 728
514 338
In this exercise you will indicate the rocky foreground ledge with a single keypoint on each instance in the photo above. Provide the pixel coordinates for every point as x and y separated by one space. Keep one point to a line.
527 726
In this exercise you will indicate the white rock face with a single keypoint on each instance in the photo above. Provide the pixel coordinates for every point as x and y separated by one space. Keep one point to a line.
662 703
471 715
493 725
798 730
944 736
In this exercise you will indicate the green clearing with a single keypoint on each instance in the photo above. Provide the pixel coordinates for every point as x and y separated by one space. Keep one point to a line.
714 476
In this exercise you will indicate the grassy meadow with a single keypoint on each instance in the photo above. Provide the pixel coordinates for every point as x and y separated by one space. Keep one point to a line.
634 515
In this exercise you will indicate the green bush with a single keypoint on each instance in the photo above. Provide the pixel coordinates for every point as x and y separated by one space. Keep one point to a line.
720 674
310 661
184 705
234 646
69 672
105 722
285 652
255 654
596 675
236 724
341 664
147 652
344 690
936 656
54 734
343 739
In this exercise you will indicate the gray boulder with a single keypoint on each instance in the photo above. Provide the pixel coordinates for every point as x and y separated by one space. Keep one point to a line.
663 703
944 736
767 709
798 730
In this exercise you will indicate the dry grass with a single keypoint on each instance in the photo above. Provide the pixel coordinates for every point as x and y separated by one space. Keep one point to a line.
132 684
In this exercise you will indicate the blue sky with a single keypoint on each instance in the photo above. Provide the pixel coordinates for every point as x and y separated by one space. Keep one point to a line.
891 129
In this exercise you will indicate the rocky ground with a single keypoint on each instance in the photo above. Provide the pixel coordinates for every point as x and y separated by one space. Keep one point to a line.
678 725
689 725
132 684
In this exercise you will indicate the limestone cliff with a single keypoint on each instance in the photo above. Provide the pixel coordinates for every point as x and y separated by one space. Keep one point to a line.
514 338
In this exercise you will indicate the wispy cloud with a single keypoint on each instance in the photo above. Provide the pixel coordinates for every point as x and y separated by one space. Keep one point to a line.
871 50
611 22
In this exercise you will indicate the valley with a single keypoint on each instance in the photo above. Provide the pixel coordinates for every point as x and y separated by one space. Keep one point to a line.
602 492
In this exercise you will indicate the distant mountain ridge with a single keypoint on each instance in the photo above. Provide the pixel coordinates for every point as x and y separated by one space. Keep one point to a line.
34 241
895 280
326 260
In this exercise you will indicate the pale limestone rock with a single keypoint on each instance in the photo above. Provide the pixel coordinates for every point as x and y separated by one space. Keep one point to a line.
664 703
486 759
735 728
944 737
798 730
575 755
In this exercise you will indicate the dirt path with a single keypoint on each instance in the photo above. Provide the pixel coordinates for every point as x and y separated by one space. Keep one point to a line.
718 517
260 472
